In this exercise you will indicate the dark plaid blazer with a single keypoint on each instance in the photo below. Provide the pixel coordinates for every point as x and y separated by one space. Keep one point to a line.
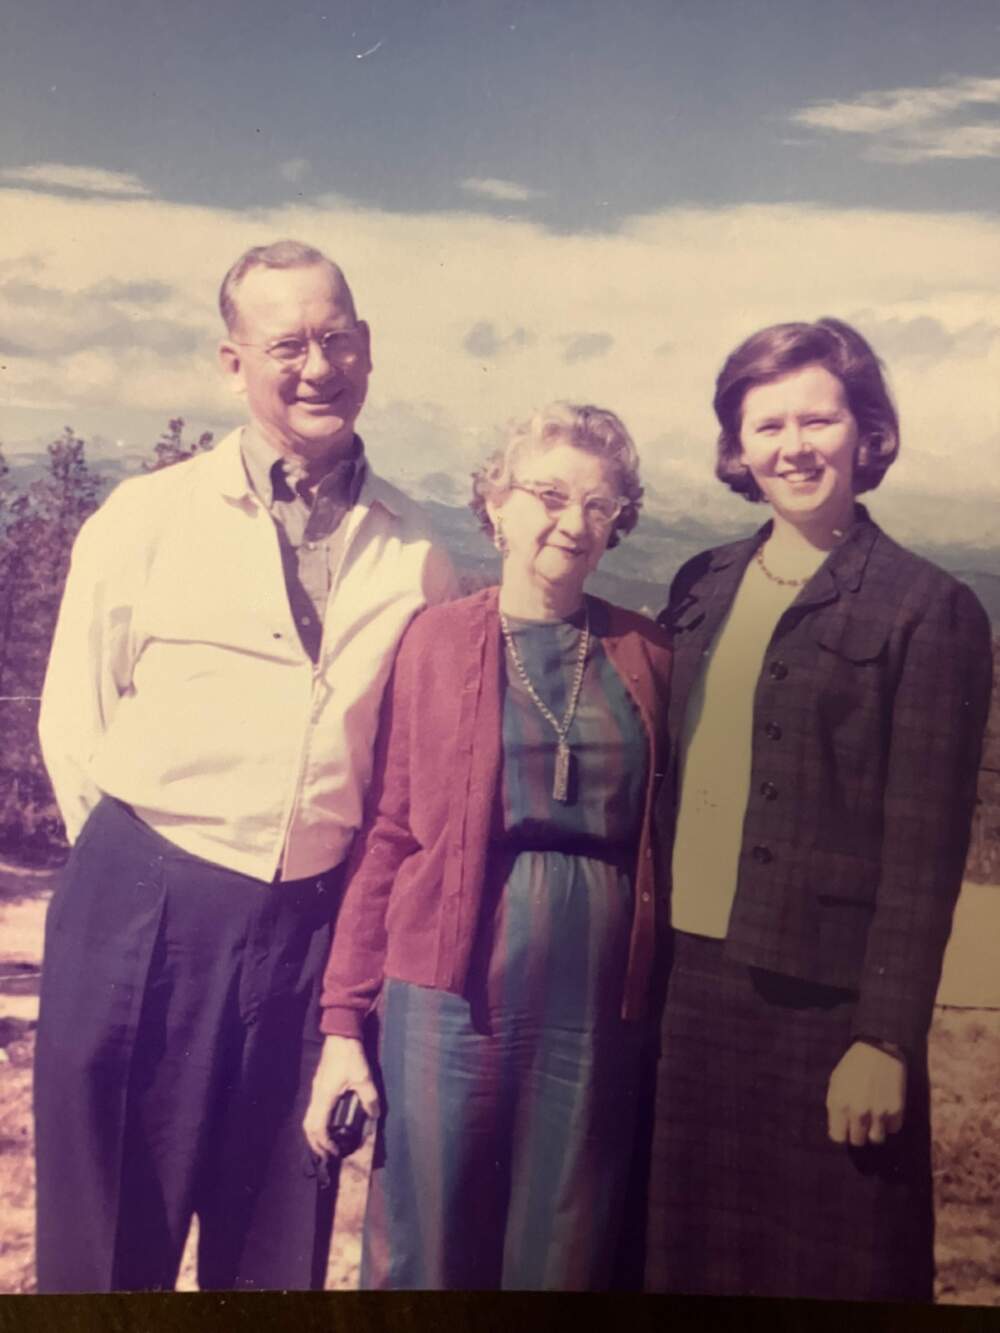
867 728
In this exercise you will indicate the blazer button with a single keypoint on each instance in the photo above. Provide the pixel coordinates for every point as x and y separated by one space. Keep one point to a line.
769 791
772 731
762 855
778 670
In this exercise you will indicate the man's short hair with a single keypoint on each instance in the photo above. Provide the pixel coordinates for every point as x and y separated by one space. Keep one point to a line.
279 254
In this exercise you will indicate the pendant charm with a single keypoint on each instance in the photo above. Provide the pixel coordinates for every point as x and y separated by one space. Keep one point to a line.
560 785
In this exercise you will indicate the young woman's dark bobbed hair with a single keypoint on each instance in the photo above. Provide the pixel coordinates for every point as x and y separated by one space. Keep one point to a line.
781 349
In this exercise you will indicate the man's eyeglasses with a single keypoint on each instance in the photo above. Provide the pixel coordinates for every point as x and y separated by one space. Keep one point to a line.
342 347
599 511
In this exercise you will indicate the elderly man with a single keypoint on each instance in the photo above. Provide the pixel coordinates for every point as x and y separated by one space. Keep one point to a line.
208 717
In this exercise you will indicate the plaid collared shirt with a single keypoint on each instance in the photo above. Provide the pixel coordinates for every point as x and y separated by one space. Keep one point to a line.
310 522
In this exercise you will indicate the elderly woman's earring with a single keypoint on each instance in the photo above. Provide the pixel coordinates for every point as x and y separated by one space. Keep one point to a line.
499 540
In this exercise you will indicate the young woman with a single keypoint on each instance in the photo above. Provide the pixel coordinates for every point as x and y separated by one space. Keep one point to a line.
829 696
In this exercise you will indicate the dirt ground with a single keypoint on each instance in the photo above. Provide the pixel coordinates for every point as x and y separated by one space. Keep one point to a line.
965 1069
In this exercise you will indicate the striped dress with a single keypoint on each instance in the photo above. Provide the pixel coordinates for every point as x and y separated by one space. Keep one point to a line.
509 1111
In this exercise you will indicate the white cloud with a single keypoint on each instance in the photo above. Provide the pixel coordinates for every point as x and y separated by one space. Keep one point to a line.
957 142
88 180
899 108
915 124
670 294
490 187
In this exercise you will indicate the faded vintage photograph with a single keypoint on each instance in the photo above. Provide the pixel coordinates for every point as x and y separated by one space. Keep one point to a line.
499 599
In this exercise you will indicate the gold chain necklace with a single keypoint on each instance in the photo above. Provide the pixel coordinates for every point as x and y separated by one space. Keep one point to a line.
785 583
560 784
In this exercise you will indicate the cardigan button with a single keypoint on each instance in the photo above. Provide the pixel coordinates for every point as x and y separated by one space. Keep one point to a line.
778 670
762 855
772 731
769 791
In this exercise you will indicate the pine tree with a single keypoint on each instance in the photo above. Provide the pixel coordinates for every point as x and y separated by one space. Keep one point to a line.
172 448
6 555
40 527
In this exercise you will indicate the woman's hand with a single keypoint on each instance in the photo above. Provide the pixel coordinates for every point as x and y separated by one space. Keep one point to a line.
342 1066
867 1095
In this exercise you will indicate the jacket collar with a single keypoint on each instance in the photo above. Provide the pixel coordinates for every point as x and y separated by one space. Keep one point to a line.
842 571
844 568
224 465
848 561
376 491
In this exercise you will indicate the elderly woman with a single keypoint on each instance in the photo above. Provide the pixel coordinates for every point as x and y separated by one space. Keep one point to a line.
500 902
830 692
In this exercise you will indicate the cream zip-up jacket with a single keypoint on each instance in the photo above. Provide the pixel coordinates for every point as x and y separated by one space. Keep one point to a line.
177 681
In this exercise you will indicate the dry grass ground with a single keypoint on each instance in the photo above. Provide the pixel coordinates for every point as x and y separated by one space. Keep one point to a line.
965 1068
965 1074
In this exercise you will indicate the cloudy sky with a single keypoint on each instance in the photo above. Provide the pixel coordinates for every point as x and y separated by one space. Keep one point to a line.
532 200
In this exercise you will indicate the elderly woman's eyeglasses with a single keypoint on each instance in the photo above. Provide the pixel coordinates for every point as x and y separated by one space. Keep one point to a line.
342 347
599 511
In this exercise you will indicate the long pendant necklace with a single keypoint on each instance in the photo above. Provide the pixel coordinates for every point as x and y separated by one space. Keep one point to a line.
560 784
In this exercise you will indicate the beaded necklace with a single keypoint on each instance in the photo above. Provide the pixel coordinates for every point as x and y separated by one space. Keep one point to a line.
560 784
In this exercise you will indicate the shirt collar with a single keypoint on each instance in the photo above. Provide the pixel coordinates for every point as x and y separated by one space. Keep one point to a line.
267 470
225 464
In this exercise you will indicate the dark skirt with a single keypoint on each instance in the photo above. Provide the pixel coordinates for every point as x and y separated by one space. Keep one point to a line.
747 1194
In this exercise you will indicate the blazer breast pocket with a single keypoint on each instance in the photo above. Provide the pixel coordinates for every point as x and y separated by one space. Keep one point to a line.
855 641
849 678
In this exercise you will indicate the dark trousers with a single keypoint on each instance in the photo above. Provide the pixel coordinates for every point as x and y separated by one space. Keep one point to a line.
177 1039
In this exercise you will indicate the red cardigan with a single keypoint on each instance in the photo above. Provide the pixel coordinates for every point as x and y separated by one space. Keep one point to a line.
415 877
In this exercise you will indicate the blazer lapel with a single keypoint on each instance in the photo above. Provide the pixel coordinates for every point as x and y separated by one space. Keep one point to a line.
842 572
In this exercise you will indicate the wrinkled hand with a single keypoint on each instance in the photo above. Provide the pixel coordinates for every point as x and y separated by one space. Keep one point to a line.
342 1066
867 1096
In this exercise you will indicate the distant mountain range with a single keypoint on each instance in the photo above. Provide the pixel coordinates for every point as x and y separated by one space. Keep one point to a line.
636 574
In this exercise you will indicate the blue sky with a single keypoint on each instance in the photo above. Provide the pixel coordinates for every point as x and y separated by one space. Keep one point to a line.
532 200
602 109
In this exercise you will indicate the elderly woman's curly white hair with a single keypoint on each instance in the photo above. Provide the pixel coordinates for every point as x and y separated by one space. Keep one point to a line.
592 429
